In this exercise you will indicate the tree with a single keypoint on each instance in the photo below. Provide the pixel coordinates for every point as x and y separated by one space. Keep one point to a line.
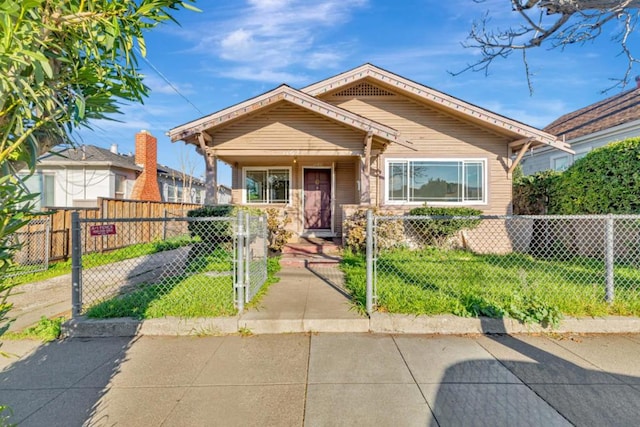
64 62
555 24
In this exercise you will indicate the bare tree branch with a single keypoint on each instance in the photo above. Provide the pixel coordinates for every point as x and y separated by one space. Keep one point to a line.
557 24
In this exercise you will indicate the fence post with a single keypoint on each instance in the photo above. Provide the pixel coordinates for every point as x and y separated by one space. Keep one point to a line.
240 258
247 270
609 261
76 265
164 225
369 240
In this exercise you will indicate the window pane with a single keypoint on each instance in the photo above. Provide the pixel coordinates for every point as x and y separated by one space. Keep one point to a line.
278 186
47 193
473 181
256 185
561 163
435 181
398 181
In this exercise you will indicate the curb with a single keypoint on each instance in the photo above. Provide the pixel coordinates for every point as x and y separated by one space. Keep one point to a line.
378 323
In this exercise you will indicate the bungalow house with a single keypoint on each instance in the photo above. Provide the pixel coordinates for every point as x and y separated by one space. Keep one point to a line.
365 137
612 119
78 176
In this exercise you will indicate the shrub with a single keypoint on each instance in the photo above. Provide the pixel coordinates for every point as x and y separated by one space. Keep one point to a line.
211 232
278 234
389 233
437 231
607 180
531 193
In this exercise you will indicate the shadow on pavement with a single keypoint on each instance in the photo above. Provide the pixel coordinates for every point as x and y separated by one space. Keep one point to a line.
62 382
533 387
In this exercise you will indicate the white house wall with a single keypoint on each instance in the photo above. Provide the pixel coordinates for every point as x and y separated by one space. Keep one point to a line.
541 159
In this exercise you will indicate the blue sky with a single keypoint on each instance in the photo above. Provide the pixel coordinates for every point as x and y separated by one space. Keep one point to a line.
237 49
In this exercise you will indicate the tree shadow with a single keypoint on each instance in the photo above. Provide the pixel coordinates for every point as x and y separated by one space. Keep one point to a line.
62 383
545 389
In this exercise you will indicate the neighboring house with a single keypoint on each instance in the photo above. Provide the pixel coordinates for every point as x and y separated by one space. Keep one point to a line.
366 137
77 177
613 119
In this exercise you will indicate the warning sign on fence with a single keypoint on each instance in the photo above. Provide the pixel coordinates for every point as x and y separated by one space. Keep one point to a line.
102 230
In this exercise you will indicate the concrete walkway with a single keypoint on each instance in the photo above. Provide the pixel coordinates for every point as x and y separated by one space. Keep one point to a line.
310 299
326 380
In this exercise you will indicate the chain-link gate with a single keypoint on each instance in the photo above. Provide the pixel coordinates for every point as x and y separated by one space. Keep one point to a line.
33 241
583 265
136 267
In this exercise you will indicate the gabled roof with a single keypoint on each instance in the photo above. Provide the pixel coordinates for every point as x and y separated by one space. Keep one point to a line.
92 155
613 111
436 98
294 96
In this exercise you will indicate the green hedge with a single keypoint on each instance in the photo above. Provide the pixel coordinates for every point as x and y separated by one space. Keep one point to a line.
435 232
212 232
607 180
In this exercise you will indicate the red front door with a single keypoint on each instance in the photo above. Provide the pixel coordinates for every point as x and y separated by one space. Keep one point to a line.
317 199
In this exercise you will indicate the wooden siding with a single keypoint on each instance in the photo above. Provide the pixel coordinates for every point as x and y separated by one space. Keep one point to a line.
436 135
345 188
287 130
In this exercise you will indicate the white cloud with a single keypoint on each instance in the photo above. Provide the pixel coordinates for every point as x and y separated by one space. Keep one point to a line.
159 85
276 35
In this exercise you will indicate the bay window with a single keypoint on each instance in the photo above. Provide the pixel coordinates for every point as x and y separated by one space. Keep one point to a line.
435 181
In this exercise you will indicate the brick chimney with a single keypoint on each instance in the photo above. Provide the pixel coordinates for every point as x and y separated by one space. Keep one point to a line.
146 185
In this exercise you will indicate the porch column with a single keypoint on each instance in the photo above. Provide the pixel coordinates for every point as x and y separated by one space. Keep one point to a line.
365 171
211 169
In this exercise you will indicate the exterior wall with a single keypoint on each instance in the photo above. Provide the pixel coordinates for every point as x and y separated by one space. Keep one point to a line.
542 158
436 135
75 186
287 130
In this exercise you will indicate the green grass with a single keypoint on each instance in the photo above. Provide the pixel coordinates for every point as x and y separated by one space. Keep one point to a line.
45 330
436 281
98 259
207 292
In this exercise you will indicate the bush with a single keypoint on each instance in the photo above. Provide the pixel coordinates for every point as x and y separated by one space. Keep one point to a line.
531 193
437 231
211 232
389 232
278 234
607 180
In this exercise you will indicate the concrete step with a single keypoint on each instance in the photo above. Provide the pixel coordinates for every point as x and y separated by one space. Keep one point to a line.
311 249
304 260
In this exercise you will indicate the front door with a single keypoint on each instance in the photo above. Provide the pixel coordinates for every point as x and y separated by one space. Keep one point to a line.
317 199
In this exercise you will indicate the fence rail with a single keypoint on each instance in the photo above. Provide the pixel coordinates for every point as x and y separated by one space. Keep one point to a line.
202 267
581 265
60 244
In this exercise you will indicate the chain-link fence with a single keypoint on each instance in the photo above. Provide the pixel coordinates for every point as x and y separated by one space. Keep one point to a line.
194 271
528 267
33 241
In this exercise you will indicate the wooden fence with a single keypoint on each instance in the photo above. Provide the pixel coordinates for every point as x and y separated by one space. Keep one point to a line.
60 246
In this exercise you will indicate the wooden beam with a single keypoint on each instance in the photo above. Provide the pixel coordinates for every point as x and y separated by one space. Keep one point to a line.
211 169
518 142
365 171
521 153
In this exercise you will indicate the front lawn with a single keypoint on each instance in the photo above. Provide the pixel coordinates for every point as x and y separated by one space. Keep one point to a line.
437 281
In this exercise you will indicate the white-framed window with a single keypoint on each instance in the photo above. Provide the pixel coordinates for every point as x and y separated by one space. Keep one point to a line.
560 163
120 186
442 181
580 155
267 185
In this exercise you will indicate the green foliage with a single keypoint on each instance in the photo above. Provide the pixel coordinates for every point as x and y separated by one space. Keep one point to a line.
437 231
387 231
437 281
45 330
532 193
276 227
607 180
212 232
67 62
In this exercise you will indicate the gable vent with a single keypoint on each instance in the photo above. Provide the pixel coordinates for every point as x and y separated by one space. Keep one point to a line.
364 89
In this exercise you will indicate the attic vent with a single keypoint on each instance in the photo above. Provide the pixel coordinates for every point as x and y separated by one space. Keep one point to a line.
364 89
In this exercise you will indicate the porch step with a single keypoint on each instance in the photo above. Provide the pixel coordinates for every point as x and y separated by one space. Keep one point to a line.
305 260
312 246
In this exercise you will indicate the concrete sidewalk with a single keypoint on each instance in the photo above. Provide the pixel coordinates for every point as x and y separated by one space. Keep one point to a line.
326 380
